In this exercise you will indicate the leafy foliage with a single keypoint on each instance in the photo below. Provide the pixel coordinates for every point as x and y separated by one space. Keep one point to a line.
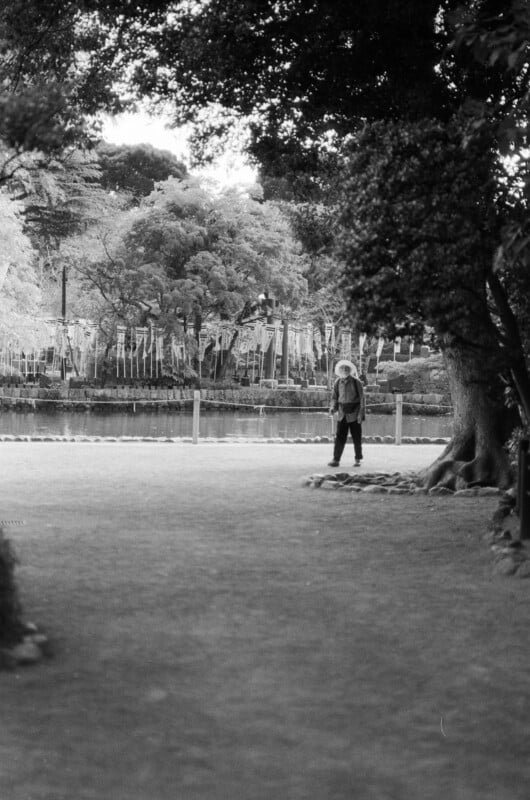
19 294
417 228
136 168
185 255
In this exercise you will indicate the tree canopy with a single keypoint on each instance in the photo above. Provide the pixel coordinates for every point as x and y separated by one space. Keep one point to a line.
186 255
136 168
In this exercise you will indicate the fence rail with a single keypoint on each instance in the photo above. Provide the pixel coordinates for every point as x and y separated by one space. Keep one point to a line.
397 405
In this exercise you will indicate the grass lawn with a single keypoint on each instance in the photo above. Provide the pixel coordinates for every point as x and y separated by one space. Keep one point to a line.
223 633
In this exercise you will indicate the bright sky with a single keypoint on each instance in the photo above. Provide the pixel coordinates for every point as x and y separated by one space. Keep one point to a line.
144 128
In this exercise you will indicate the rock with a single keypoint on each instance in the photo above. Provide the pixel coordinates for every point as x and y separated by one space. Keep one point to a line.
42 642
26 653
440 490
397 490
523 569
30 627
501 549
498 537
505 566
466 493
488 491
374 488
509 498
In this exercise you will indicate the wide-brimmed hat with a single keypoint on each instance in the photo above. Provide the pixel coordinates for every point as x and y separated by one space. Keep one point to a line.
345 363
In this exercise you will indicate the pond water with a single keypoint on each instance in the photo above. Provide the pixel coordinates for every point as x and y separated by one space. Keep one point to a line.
285 424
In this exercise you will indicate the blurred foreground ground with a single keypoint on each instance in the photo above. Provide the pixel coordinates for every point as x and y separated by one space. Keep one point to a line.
222 632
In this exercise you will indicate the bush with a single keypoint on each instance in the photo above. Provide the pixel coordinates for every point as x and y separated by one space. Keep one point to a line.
514 441
428 375
11 628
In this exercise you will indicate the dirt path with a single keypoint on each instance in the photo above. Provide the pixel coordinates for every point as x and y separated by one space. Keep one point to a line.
222 632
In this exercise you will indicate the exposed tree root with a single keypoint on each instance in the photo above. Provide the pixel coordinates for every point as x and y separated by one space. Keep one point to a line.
459 467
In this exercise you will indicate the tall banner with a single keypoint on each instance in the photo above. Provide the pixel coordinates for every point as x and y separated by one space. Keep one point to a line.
317 339
216 333
246 336
330 335
255 340
226 336
279 339
120 348
203 339
345 344
264 338
270 331
308 342
94 340
362 340
159 353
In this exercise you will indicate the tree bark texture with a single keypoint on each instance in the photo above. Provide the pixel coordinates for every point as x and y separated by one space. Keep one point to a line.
475 455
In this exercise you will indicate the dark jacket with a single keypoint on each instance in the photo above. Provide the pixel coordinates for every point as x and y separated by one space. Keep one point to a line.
353 405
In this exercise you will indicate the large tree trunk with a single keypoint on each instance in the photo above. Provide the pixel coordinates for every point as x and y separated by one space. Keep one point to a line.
476 454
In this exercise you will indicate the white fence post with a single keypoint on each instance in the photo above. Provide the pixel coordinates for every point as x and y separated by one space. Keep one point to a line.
196 416
399 418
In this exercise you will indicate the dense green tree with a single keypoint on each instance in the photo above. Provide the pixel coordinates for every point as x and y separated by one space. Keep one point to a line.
186 255
136 168
61 60
19 295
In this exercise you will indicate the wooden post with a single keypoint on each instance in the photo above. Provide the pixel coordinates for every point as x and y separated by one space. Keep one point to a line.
196 416
399 418
284 375
523 489
65 329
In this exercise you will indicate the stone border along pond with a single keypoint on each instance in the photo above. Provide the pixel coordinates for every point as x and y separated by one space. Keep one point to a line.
227 440
510 555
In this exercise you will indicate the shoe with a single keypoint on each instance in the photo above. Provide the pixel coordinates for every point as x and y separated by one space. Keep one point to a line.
357 463
333 464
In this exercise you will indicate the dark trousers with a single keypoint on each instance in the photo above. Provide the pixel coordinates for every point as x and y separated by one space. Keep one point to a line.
341 435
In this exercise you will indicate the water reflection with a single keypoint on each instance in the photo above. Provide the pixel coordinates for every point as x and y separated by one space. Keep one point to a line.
288 424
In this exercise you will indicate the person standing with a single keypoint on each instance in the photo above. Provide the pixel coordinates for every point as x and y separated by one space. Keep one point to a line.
349 405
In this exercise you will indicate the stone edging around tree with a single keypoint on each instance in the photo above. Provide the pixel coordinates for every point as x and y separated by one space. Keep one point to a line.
510 554
389 483
207 439
33 647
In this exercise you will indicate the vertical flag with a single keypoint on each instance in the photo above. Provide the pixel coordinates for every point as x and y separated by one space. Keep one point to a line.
362 340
